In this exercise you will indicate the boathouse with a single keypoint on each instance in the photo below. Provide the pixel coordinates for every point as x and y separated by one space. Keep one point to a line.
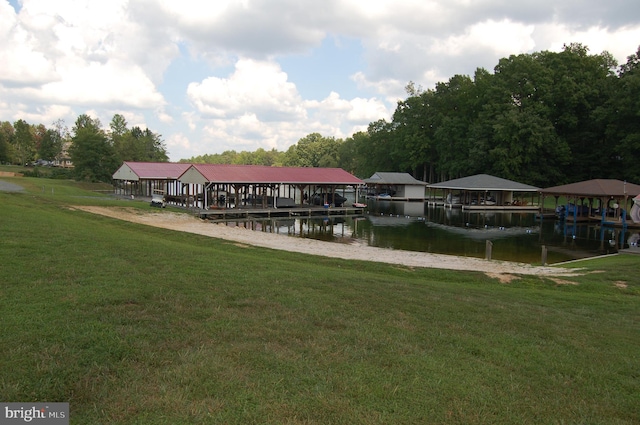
588 200
148 178
233 186
395 186
484 192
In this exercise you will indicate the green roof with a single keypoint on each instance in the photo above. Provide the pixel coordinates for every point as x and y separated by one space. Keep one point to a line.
484 182
394 178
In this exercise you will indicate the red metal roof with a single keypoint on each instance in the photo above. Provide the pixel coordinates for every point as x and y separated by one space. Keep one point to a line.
256 174
157 170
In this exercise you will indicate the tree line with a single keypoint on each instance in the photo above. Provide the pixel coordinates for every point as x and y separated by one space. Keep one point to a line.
94 152
544 118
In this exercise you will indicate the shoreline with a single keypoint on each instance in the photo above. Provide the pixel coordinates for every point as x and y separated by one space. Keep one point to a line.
190 224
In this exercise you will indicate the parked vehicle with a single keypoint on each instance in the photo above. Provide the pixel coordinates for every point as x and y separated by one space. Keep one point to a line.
158 201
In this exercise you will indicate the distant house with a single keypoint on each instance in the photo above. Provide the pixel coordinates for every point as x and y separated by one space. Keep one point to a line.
395 186
483 191
64 159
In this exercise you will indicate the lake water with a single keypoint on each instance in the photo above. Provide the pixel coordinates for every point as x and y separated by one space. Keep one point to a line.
414 226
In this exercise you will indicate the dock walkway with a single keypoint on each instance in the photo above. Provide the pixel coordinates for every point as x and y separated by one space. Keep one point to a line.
306 211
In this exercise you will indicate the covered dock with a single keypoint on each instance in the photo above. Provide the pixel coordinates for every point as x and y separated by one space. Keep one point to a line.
256 186
218 190
606 200
395 187
145 179
484 192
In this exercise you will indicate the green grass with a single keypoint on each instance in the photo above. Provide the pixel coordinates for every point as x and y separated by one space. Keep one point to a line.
135 325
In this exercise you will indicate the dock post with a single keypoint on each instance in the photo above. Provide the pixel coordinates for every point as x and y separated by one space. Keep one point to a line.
544 255
489 247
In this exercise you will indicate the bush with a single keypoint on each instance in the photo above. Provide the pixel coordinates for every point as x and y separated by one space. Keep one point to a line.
61 173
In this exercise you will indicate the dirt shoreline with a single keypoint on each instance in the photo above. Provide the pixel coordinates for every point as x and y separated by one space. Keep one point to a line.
187 223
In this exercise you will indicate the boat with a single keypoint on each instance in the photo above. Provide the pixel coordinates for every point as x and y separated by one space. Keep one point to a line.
359 205
270 201
328 199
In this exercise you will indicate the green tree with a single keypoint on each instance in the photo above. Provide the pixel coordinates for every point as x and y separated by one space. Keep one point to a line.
119 135
6 141
412 145
24 143
514 134
456 108
51 143
135 144
93 156
377 147
348 160
579 89
623 118
313 150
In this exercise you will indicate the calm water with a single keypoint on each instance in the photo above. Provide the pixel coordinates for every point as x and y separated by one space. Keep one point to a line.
414 226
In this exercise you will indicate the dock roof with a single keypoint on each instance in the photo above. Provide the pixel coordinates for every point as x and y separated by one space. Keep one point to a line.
480 182
394 179
134 171
262 174
595 188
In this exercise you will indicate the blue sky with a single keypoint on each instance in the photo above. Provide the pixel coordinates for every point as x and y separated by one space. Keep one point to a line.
248 74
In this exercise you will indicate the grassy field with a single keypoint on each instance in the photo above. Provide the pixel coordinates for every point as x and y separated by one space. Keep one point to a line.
139 325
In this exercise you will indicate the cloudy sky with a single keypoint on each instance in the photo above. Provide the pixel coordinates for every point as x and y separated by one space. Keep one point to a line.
216 75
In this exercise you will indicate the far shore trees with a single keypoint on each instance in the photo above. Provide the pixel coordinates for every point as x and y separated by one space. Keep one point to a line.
543 118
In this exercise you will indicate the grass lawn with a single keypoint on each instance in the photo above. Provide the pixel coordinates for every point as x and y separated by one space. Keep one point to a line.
139 325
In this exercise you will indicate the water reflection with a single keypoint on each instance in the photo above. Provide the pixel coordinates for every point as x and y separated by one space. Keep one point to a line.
414 226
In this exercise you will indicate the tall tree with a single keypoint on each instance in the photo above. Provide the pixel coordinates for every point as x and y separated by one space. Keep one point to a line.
622 116
377 146
24 144
6 141
313 150
455 104
412 147
578 90
118 136
514 129
50 145
93 157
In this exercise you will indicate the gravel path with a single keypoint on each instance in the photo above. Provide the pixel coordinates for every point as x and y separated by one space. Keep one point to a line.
9 187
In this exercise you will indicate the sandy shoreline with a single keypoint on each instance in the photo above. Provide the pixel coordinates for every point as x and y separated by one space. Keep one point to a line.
187 223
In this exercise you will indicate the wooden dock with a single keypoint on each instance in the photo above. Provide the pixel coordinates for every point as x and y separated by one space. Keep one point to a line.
257 213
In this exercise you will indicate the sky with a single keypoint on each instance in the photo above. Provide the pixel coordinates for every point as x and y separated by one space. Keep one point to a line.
217 75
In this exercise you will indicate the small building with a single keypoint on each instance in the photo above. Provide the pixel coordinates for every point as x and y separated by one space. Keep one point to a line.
395 186
485 192
149 178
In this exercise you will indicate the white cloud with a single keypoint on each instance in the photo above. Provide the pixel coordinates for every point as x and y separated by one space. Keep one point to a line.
620 43
22 63
66 53
178 142
63 57
502 38
256 87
